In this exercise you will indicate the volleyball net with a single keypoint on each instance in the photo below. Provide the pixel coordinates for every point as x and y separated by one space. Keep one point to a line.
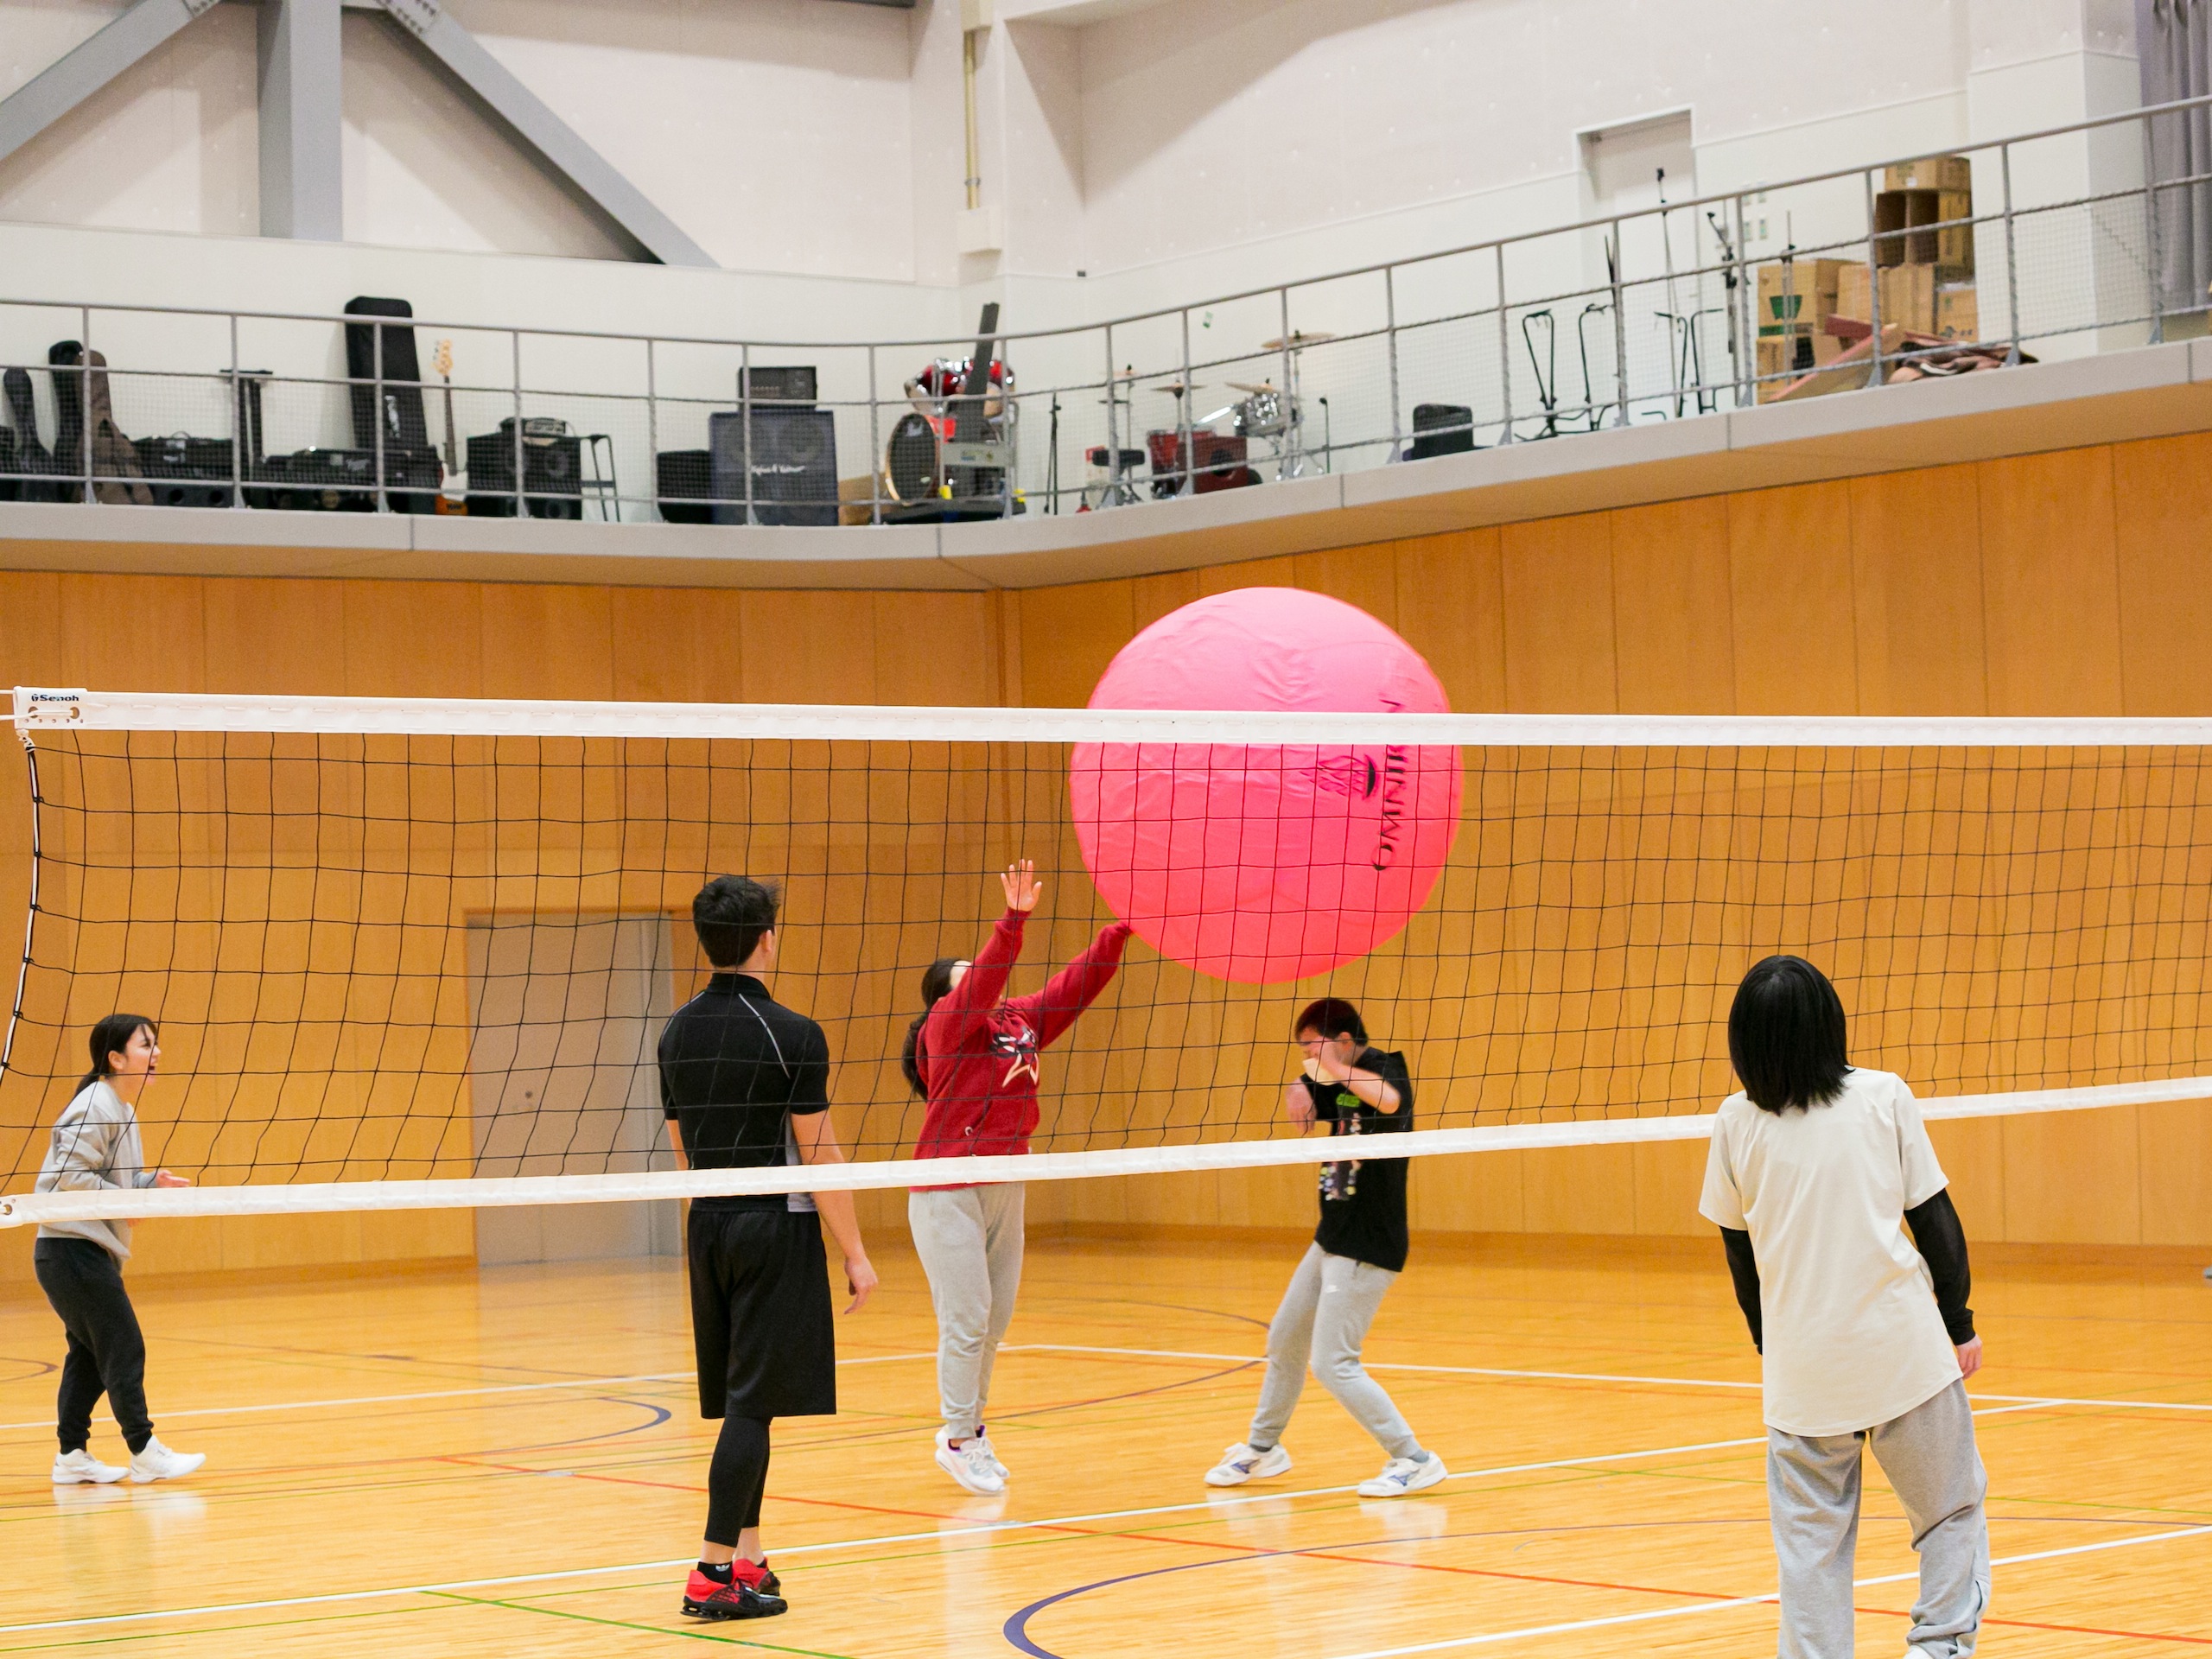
418 953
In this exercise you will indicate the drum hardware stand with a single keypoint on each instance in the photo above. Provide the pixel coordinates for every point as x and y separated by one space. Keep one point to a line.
1731 273
1290 456
1328 439
1673 312
1052 462
1547 381
1118 490
1591 410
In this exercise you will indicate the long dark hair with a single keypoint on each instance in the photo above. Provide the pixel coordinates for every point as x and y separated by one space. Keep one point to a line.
936 980
1786 1035
112 1036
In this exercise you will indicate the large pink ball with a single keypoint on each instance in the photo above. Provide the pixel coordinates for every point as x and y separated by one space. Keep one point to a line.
1260 864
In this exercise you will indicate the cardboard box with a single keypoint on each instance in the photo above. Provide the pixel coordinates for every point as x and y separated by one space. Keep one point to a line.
1908 296
1958 313
1954 244
1931 173
1796 294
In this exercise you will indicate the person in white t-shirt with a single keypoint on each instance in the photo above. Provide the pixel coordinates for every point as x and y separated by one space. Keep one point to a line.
1817 1168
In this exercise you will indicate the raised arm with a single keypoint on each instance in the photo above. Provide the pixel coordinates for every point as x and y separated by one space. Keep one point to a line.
961 1011
1076 986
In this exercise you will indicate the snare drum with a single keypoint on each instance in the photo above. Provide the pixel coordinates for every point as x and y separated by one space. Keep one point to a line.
1262 416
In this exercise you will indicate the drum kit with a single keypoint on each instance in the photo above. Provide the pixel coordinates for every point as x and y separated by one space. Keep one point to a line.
1213 460
924 447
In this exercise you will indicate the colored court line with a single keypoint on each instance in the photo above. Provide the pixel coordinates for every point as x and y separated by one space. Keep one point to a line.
1567 1376
459 1394
688 1635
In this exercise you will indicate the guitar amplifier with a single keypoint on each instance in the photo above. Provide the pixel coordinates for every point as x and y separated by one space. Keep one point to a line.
1441 429
186 471
552 462
792 467
684 480
316 481
762 384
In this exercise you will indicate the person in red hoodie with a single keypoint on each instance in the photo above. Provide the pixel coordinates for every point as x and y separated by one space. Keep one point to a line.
973 1055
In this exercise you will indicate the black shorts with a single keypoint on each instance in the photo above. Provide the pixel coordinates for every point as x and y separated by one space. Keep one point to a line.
761 1314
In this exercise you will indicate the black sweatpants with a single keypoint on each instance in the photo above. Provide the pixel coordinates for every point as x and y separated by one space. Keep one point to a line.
736 1479
107 1355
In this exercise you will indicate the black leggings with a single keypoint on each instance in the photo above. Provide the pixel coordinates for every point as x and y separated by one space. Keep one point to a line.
107 1355
735 1479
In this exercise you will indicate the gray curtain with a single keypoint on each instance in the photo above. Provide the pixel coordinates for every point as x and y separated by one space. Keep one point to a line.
2174 40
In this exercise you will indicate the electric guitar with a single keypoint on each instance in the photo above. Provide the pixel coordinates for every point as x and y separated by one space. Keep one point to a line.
453 492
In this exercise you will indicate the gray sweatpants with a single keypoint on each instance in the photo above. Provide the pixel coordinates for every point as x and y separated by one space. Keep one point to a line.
970 1240
1324 1319
1812 1489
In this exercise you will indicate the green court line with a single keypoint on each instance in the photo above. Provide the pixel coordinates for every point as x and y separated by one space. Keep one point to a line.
630 1625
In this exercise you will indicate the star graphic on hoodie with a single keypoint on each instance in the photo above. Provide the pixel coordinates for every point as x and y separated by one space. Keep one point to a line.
1021 1044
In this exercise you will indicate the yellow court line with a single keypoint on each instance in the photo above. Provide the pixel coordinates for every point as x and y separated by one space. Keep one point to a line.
1748 1601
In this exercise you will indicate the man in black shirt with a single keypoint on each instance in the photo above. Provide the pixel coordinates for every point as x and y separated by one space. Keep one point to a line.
1358 1250
745 1083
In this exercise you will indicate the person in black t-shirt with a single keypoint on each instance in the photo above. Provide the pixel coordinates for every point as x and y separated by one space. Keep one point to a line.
1358 1250
745 1083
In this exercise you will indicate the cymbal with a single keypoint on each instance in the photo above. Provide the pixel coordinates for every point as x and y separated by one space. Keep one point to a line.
1297 339
1177 388
1260 389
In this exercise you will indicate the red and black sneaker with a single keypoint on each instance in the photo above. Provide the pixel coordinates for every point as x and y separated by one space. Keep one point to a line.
706 1597
759 1575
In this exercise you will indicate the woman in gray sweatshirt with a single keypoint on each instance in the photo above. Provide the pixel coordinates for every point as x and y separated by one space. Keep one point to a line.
79 1263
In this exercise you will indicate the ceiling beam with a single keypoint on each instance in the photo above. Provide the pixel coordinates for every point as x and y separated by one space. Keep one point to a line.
53 91
464 58
301 79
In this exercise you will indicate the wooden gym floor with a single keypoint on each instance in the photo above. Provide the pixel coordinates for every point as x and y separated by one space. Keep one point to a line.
510 1461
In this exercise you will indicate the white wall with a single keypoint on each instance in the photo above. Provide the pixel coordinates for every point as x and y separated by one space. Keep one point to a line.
1166 152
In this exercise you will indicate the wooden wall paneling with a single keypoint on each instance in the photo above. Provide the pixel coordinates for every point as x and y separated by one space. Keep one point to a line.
1972 1152
2050 578
1579 1190
414 639
2074 1178
1451 608
134 633
1249 572
276 636
1790 590
1917 571
808 647
1068 636
677 644
542 641
2174 1150
1672 609
1154 597
1365 576
2162 514
1558 591
1466 1192
1669 1176
935 649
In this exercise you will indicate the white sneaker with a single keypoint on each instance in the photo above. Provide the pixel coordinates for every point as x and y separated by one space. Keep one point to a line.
992 1452
81 1468
970 1464
157 1462
1240 1463
1403 1475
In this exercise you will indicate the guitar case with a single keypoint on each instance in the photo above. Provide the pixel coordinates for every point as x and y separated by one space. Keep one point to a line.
118 478
33 463
410 458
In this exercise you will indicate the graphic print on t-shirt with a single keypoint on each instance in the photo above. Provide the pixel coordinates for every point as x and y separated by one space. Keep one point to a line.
1340 1181
1020 1047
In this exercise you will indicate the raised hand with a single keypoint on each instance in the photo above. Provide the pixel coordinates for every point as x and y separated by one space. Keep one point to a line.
1023 889
1298 1105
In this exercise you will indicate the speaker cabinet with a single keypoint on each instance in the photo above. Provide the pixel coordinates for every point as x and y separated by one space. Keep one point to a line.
552 461
792 466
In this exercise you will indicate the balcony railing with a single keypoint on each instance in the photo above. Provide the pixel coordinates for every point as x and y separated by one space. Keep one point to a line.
1657 316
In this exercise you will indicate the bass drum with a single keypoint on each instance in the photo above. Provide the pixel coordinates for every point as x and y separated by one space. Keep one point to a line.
909 467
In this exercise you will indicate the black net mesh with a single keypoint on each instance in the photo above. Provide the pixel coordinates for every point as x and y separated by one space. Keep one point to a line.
386 957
